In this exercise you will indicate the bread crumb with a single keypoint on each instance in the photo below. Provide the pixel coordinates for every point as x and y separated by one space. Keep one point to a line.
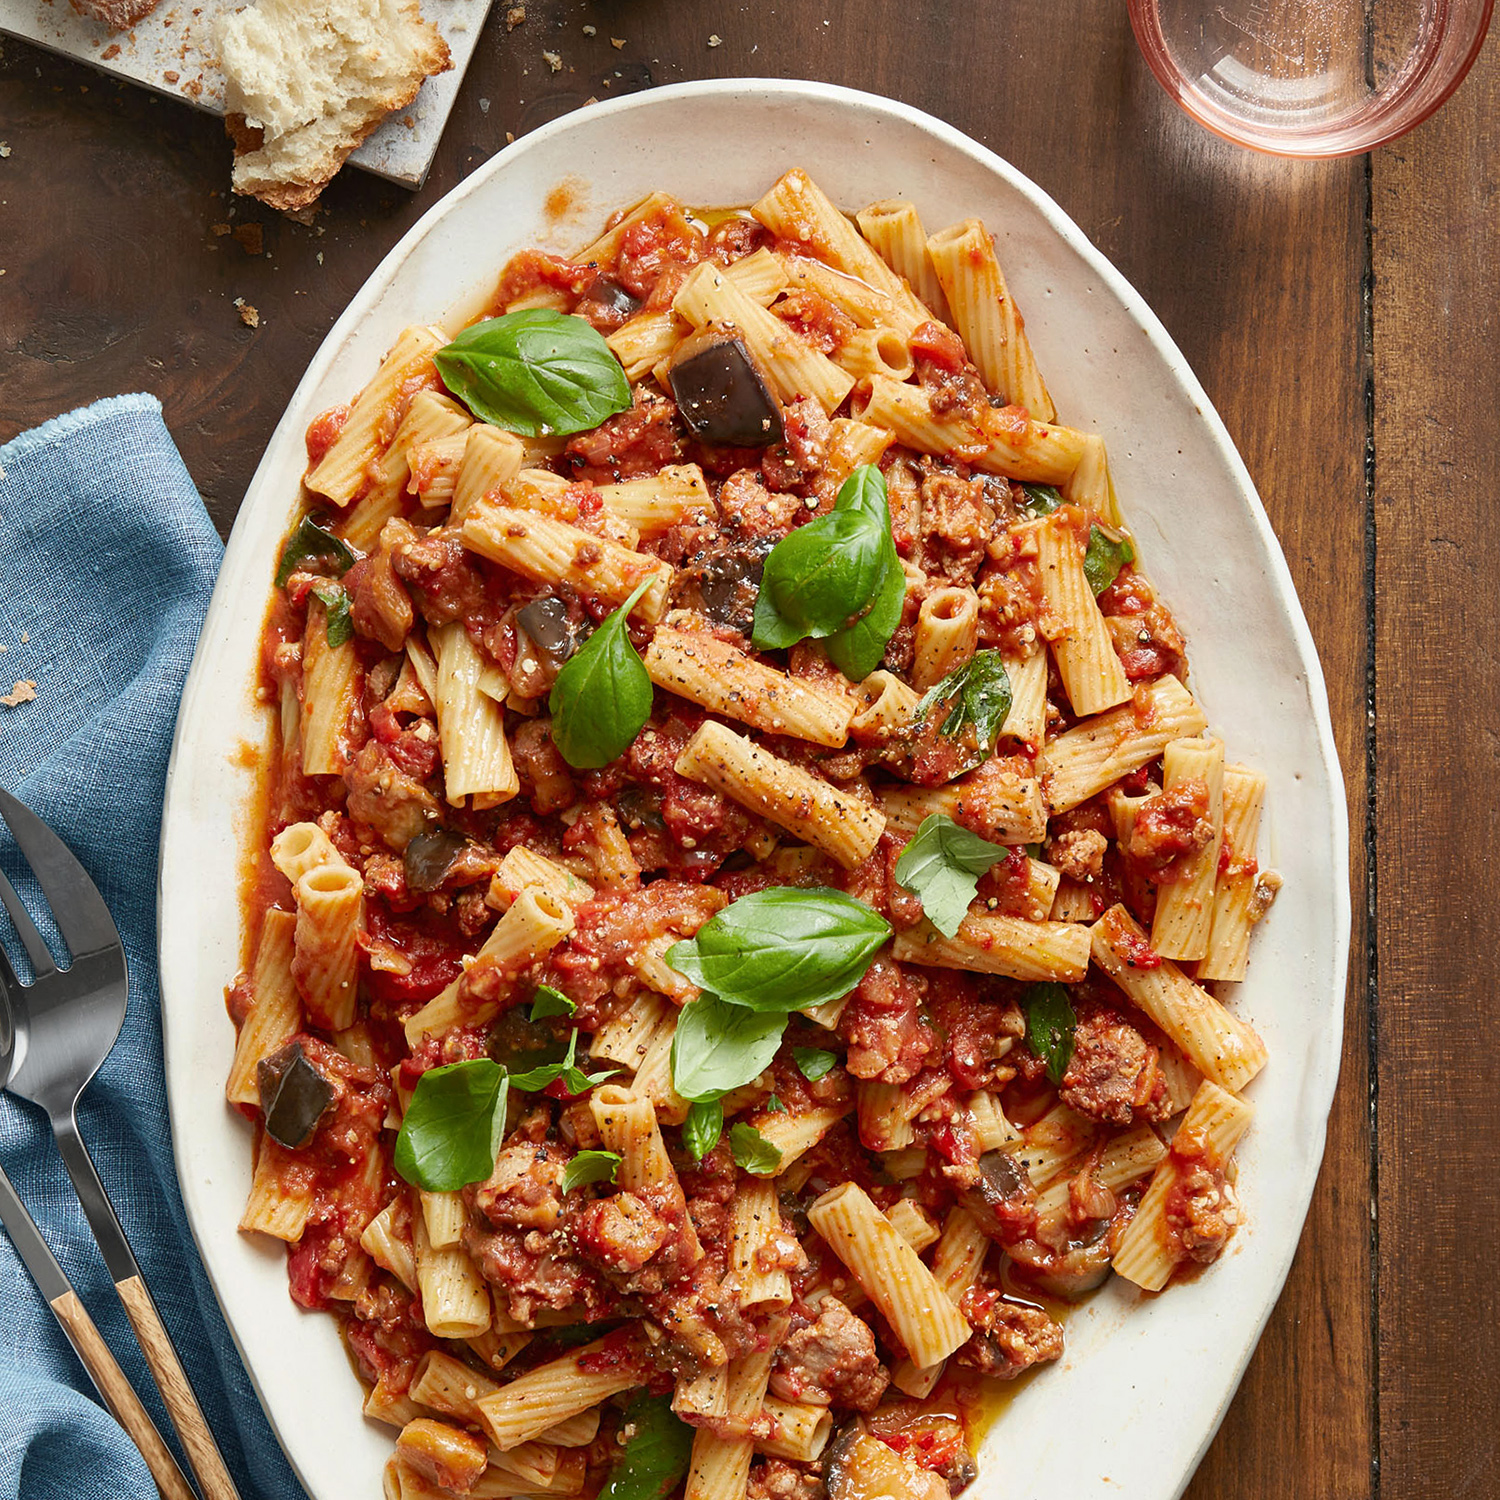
484 106
553 61
514 16
4 148
110 52
25 637
249 316
171 75
23 692
591 31
510 137
252 237
716 41
617 42
222 229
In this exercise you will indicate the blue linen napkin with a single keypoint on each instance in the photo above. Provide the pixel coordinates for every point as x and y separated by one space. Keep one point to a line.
107 559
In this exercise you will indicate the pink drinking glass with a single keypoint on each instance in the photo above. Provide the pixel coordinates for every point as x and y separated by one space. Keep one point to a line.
1310 77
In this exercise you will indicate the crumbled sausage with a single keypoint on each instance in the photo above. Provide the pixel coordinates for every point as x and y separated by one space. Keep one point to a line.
1009 1337
831 1362
1113 1073
1078 853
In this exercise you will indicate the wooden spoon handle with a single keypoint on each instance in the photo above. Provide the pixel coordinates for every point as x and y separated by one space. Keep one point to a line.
119 1395
171 1379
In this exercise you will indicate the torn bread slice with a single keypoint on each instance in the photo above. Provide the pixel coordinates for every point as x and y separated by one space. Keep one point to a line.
308 80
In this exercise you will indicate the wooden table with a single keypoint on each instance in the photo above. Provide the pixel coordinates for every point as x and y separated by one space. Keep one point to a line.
1343 317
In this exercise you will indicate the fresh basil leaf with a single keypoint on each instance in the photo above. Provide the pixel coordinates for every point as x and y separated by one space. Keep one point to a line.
590 1166
576 1080
656 1453
703 1127
1049 1026
550 1002
1042 499
602 697
813 1062
824 578
753 1151
1104 558
783 949
718 1047
979 696
857 650
452 1129
942 865
535 372
774 1106
340 624
307 540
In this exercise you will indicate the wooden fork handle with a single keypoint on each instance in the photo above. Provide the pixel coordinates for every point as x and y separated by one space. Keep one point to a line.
119 1395
171 1379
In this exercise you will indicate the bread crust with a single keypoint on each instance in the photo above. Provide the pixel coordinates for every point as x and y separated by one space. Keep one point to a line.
289 194
120 14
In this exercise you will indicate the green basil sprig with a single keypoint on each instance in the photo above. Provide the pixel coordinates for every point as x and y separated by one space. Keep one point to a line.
813 1062
753 1151
656 1454
574 1079
340 623
590 1166
535 372
550 1002
703 1127
837 579
1049 1026
307 540
453 1127
942 865
718 1047
979 696
783 949
602 697
455 1122
1104 558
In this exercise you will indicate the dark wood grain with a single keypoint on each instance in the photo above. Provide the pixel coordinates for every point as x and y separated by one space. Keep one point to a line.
1436 214
116 280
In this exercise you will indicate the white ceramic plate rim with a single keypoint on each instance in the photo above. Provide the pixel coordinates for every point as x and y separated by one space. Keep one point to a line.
201 1165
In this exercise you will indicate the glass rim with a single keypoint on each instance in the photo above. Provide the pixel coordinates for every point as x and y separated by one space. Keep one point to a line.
1391 116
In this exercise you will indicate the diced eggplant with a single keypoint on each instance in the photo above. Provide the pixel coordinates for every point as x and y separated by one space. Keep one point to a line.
612 295
857 1466
294 1096
721 395
547 626
429 856
1002 1196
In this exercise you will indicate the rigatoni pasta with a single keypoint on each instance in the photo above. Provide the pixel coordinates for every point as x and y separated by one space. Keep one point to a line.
746 888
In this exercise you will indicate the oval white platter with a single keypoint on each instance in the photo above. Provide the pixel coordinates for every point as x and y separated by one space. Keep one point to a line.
1145 1381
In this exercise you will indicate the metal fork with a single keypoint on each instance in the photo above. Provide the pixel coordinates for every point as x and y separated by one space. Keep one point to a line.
88 1343
66 1022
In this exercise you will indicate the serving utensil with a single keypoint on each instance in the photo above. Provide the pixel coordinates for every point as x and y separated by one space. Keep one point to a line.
64 1024
88 1343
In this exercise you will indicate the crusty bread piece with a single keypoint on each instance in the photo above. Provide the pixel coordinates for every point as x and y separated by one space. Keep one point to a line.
308 80
121 14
